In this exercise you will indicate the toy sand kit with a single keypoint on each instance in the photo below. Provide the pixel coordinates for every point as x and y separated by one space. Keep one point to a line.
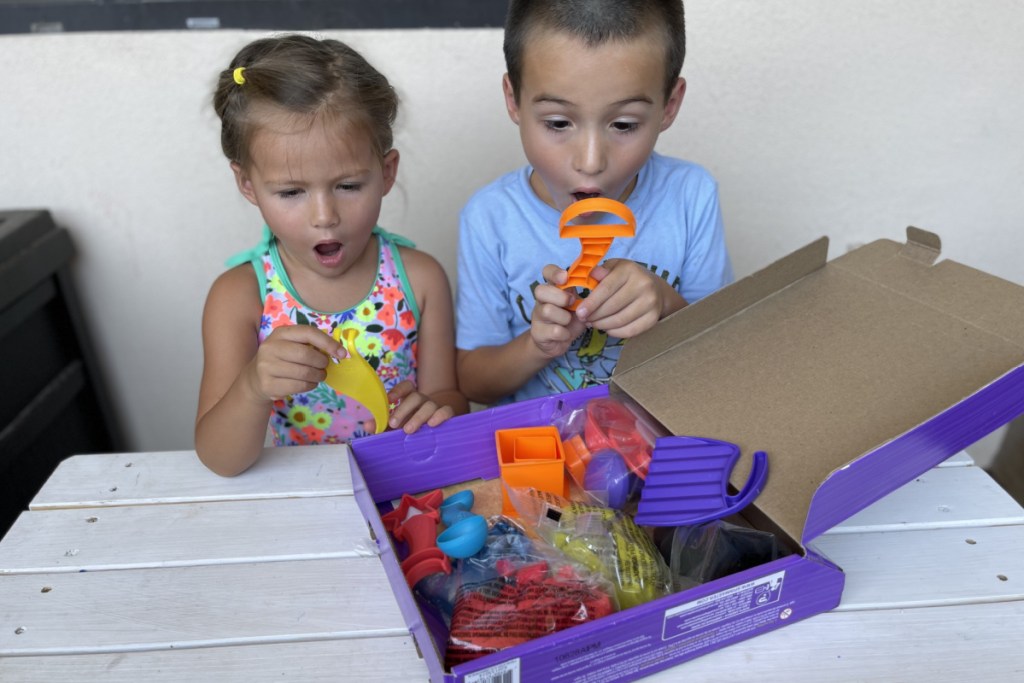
853 376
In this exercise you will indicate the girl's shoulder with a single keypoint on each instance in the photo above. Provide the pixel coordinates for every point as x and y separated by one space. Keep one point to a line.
235 290
426 275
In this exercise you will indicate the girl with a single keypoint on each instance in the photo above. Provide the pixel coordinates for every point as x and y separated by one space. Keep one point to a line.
306 125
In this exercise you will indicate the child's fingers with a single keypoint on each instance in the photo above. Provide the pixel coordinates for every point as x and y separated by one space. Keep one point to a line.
555 275
406 405
440 415
609 280
600 272
400 391
318 339
627 322
549 294
411 413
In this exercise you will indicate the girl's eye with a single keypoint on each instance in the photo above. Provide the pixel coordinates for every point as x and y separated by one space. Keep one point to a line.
556 124
625 126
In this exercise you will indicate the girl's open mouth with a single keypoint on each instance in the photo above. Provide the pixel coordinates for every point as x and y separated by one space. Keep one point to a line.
329 253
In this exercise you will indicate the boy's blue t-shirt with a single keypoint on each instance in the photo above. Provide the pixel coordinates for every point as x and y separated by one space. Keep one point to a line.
507 235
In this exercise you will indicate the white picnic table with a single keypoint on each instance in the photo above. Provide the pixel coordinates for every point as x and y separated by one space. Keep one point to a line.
147 567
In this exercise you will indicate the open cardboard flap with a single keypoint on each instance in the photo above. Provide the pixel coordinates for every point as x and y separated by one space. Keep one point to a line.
820 363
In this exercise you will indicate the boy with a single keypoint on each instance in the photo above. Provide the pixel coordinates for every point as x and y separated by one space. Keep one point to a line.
591 85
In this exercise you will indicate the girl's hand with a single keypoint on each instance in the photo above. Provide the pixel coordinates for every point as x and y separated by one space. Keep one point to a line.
293 359
414 409
552 326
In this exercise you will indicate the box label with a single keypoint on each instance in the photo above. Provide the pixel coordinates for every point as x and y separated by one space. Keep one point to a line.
728 605
506 672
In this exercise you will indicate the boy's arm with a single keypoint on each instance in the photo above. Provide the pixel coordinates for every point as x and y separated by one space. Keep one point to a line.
435 372
488 373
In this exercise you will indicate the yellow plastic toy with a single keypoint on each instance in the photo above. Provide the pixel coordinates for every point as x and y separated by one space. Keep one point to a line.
357 379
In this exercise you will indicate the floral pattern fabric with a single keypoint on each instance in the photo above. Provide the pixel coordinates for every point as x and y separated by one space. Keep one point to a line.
387 320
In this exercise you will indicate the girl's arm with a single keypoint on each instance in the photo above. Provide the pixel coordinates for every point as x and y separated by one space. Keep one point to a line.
231 422
241 378
435 373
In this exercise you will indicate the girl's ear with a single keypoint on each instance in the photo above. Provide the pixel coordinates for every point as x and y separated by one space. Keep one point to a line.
675 101
244 182
390 168
510 99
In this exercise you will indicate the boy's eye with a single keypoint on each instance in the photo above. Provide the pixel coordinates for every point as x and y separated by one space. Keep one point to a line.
625 126
288 194
556 124
349 187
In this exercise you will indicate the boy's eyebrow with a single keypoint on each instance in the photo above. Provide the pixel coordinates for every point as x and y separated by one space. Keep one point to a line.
552 99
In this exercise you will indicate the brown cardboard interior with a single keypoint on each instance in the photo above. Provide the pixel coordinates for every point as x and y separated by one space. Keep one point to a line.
818 363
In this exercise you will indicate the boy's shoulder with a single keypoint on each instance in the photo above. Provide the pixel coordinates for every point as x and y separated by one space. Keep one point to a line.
506 201
675 169
510 187
670 179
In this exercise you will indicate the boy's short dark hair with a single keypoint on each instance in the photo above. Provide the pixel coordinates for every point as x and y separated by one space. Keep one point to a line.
595 22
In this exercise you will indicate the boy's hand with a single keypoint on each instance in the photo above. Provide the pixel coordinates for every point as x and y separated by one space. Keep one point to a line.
628 300
293 359
414 409
553 327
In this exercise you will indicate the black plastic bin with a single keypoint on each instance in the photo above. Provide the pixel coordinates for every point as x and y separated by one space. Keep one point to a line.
53 402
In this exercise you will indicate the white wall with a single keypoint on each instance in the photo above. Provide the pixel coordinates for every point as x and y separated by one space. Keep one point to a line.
849 118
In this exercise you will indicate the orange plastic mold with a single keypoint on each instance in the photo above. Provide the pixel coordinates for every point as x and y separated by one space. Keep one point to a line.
530 457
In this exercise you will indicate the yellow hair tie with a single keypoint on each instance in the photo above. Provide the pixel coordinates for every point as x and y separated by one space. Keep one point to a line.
239 78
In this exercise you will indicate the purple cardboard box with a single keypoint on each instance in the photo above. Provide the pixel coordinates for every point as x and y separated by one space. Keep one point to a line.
855 375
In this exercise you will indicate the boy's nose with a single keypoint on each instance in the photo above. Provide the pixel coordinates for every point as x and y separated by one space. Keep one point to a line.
590 155
323 213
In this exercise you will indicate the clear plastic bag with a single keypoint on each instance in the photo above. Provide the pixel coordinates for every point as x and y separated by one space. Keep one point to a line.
514 591
607 449
603 540
705 552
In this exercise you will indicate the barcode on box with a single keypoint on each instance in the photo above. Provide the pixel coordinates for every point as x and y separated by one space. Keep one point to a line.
506 672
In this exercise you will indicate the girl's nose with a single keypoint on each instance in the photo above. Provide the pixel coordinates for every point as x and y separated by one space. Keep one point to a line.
324 215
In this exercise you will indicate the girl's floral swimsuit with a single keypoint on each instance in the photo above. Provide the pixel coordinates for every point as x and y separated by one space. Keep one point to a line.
387 319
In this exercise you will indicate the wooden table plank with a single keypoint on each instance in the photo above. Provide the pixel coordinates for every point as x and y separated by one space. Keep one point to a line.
71 540
961 459
359 659
271 616
897 569
941 497
956 644
830 646
237 604
179 477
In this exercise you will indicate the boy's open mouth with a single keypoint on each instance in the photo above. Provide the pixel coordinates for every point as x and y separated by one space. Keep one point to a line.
585 195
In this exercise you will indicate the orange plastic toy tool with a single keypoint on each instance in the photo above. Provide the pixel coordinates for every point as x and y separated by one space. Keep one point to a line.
595 238
356 378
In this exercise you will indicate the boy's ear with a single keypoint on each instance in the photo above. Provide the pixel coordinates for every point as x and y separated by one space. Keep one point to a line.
244 182
510 99
675 101
390 167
